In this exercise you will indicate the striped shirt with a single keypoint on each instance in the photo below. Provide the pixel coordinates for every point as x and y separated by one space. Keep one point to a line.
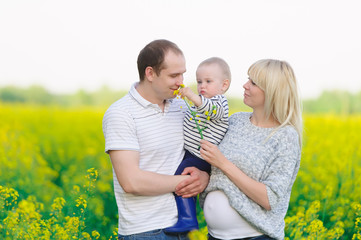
216 126
133 123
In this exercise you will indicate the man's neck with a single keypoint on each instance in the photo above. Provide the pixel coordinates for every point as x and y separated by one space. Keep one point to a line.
146 92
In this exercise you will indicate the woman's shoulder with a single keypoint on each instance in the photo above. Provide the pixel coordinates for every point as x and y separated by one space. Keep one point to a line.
288 130
288 135
240 116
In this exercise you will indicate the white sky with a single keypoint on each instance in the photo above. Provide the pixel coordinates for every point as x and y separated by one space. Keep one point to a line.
71 44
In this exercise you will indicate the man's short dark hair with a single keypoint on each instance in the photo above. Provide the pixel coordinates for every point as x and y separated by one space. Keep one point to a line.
152 55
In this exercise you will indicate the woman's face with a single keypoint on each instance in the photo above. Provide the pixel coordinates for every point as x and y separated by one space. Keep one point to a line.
253 95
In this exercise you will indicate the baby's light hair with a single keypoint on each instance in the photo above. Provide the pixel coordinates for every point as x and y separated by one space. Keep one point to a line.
223 66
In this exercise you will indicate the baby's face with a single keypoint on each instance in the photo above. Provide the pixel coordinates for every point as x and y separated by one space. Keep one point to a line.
210 80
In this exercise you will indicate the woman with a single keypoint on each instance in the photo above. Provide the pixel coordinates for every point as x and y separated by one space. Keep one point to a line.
255 165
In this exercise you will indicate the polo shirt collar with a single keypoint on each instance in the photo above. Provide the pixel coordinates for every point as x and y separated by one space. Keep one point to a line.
142 101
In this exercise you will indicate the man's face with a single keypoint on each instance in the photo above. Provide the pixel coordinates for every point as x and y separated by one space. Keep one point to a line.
171 76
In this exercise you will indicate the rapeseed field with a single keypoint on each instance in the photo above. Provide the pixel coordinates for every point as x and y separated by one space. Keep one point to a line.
56 180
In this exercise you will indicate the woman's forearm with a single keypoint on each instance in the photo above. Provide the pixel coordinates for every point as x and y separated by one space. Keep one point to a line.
253 189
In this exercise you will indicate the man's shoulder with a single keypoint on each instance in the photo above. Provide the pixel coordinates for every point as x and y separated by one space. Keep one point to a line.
123 103
120 107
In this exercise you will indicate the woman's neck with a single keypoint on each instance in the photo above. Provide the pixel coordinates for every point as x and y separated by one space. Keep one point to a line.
259 119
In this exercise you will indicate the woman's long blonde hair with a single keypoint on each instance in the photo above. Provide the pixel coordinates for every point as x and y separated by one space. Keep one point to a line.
277 79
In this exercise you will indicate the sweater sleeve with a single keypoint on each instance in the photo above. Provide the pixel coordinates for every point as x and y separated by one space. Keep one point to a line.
280 173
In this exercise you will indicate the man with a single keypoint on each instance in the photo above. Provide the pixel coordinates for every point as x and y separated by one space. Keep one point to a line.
144 138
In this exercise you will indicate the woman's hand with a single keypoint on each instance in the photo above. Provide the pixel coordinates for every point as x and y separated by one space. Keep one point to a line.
212 154
253 189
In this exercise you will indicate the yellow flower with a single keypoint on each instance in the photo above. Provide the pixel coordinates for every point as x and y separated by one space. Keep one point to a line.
356 207
176 92
81 202
206 113
92 174
95 234
208 118
85 235
214 111
8 195
58 204
76 189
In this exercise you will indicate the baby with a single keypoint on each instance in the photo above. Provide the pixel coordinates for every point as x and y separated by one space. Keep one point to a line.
207 119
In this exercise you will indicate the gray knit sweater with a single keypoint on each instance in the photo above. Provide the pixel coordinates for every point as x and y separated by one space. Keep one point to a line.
273 162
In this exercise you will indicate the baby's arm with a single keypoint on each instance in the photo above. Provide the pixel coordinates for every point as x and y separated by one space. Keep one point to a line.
187 92
217 107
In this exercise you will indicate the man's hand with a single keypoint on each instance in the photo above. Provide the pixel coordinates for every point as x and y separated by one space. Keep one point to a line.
194 185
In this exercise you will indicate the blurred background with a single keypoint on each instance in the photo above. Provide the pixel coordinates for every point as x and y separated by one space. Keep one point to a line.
82 47
62 63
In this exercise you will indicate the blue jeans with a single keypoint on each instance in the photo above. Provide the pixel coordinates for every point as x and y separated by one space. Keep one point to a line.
158 234
262 237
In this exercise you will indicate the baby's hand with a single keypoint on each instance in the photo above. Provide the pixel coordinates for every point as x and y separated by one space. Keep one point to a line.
187 92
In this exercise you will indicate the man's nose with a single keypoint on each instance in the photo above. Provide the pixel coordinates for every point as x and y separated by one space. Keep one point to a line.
180 80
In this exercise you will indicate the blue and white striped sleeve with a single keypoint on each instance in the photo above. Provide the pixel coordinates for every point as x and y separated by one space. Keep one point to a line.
218 103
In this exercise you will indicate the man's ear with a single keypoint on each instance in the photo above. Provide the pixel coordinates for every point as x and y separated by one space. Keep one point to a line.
149 73
225 85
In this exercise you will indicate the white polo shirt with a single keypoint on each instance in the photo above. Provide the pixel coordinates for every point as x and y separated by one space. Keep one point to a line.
133 123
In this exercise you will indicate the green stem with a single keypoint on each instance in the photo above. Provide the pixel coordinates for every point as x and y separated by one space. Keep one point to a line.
200 130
